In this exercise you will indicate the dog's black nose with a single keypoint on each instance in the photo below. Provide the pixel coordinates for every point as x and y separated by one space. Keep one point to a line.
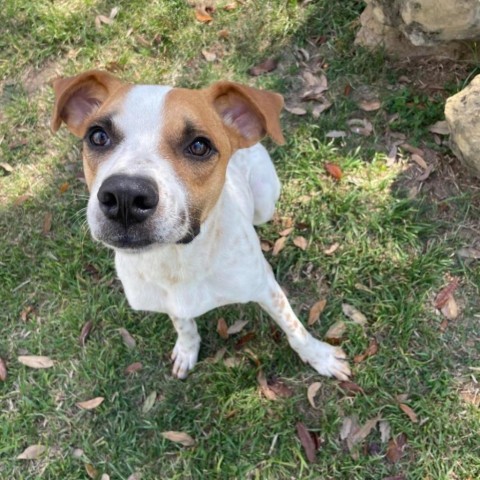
128 200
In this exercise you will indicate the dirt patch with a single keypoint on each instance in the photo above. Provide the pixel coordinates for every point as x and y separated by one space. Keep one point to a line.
36 79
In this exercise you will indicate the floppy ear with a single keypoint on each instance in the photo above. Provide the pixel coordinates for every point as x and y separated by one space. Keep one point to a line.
250 112
76 98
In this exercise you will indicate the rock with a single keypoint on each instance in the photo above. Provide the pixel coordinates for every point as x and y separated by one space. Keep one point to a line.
462 112
433 26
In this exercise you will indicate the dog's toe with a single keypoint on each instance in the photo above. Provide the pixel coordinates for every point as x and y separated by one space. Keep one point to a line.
184 359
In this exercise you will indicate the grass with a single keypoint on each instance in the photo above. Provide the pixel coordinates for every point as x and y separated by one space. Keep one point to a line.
396 252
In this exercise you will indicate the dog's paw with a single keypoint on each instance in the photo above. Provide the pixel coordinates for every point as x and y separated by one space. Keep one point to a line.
325 359
184 358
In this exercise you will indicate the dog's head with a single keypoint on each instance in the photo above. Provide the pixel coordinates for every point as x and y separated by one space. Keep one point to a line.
155 157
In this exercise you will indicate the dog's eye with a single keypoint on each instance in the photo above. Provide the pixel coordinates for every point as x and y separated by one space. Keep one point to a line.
200 147
99 137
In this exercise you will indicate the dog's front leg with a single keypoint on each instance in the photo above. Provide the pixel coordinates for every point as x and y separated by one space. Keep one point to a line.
325 359
185 352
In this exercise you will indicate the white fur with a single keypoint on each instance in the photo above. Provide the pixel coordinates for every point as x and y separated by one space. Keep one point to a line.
224 264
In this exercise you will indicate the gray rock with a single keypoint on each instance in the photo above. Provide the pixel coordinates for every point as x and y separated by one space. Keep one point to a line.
462 112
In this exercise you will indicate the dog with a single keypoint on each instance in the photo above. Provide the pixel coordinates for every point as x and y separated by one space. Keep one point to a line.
177 181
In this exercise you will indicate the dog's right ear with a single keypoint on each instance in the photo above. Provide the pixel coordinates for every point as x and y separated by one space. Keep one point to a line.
76 98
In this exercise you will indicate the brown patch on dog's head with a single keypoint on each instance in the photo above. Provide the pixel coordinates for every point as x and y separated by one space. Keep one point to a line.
227 115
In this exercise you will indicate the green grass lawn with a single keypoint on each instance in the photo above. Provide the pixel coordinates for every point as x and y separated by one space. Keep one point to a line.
398 241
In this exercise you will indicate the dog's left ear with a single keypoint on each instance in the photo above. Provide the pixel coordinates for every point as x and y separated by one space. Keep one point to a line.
76 98
250 112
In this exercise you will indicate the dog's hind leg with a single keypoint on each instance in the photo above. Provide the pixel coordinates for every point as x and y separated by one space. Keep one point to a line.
185 352
324 358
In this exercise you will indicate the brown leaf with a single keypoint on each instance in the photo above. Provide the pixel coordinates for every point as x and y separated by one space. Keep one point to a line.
361 126
32 452
179 437
334 170
202 15
279 388
450 309
21 199
266 66
336 332
265 245
92 472
90 404
385 429
230 6
396 447
301 243
443 325
321 107
135 476
149 402
222 328
85 332
370 105
295 110
133 368
24 314
347 90
3 370
349 427
331 249
440 127
312 392
411 149
219 355
355 315
7 167
350 387
445 293
279 245
286 232
36 361
469 252
209 56
409 412
237 327
419 161
223 34
128 340
264 388
316 311
244 340
372 349
363 432
307 442
64 187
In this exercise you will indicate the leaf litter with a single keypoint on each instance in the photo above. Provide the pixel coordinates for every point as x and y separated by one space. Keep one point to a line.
32 452
36 361
315 311
179 437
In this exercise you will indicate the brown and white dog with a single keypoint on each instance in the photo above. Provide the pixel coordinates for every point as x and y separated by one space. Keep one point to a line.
177 180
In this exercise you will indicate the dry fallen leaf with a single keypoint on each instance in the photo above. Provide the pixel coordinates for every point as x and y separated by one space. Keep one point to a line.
202 16
295 110
372 349
361 126
350 387
105 476
223 34
64 187
32 452
355 315
334 170
135 476
264 388
209 56
149 402
286 232
179 437
36 361
316 311
321 107
279 245
230 6
128 340
21 199
265 245
312 392
307 442
336 332
469 252
419 161
7 167
266 66
450 309
90 404
363 432
409 412
244 340
396 447
444 294
301 243
237 327
232 362
440 127
279 387
349 427
385 430
92 472
331 249
219 355
133 367
222 328
370 105
3 370
25 313
85 332
336 134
